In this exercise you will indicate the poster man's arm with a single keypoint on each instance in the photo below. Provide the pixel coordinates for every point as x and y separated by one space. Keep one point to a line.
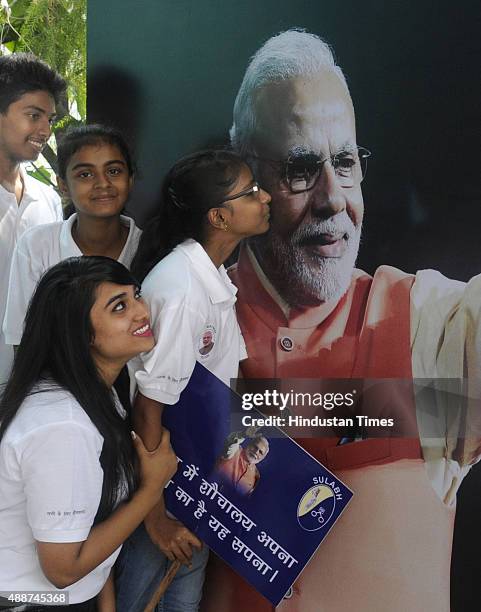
468 449
172 538
232 444
235 439
446 344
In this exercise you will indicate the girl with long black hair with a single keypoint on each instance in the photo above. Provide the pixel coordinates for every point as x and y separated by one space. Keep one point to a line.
210 202
67 458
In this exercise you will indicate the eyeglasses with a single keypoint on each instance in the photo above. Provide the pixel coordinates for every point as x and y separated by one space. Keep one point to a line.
301 171
255 189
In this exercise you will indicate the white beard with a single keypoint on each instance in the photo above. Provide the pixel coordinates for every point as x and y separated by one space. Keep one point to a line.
302 277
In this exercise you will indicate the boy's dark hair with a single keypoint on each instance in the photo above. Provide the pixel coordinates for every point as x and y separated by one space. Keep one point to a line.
21 73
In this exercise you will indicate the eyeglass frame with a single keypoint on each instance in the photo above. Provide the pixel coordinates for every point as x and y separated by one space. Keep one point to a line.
363 153
254 189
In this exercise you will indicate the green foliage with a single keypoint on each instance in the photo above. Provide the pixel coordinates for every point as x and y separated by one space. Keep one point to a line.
42 174
55 30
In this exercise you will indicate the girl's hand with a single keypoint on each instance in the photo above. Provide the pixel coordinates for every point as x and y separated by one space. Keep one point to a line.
158 466
64 563
171 537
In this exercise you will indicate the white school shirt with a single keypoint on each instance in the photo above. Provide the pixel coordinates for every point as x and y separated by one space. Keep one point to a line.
192 311
39 204
38 250
50 490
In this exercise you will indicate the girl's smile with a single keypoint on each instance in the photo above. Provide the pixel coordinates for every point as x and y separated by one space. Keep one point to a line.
143 331
97 180
120 320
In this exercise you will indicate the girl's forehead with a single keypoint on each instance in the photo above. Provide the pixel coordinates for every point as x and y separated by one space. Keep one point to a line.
97 153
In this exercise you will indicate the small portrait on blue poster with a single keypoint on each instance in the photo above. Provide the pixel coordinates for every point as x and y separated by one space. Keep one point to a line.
237 467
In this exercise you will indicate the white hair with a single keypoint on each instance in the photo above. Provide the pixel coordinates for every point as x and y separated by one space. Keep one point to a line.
284 56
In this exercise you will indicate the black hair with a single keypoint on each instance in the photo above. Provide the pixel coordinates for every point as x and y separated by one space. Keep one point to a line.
21 73
193 186
76 137
55 351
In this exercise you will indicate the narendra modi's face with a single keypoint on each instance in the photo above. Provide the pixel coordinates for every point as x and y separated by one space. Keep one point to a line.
317 207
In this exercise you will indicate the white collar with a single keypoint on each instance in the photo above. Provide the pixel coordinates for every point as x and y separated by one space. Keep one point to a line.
218 284
68 246
31 190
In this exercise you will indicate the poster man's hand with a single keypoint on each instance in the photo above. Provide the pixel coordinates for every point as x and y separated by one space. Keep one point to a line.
251 431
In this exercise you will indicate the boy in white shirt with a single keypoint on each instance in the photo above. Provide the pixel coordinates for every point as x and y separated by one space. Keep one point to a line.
29 93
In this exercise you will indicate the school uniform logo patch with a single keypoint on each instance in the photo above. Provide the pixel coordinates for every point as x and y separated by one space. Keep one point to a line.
206 341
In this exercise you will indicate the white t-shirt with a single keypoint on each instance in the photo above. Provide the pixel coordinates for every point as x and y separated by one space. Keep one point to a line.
38 250
40 204
193 319
50 489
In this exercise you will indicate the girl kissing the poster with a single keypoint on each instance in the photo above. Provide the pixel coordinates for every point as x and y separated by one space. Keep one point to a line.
210 202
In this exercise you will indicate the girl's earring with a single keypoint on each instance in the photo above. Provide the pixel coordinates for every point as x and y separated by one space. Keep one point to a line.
225 227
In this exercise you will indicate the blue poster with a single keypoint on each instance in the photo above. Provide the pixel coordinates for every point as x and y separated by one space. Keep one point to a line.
255 497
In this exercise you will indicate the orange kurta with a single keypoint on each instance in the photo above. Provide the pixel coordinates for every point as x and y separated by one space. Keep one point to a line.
238 472
391 549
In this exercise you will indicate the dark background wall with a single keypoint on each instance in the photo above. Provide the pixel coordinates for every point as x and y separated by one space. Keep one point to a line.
167 72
